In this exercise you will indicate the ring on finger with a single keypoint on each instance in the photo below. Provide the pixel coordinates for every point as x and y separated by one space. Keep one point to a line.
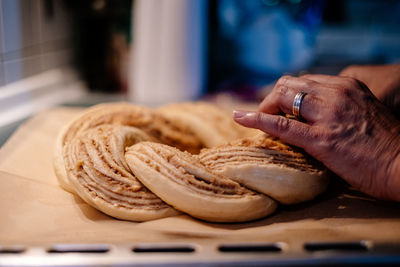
297 104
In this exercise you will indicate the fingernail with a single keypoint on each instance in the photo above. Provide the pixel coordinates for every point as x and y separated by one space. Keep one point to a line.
238 114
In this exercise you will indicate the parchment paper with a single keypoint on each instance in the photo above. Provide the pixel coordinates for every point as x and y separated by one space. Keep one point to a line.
36 211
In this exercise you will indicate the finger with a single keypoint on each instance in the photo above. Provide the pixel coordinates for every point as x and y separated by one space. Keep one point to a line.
351 71
290 131
282 97
342 81
336 84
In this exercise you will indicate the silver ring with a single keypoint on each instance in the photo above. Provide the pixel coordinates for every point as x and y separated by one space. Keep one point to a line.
297 104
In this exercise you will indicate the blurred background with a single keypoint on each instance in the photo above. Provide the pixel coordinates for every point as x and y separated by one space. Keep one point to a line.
249 43
158 51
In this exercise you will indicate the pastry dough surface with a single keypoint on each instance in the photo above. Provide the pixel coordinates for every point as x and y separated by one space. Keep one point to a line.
99 174
180 180
139 164
268 166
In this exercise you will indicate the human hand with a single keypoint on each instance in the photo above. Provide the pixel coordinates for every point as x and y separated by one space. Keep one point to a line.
382 80
344 126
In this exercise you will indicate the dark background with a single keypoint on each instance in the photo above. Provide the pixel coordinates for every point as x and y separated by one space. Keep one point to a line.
250 43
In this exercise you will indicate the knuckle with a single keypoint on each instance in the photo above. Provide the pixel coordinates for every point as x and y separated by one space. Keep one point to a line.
342 92
282 88
282 124
282 91
283 80
258 119
351 82
309 83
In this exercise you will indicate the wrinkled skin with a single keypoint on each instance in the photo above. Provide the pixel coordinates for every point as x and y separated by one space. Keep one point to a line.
343 125
382 80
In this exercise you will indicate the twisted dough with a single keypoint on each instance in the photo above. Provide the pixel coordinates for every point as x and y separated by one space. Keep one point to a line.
180 180
265 164
139 117
90 160
211 124
99 174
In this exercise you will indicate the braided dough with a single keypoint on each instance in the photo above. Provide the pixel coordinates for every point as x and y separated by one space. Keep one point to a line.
99 174
140 164
180 180
211 124
265 164
155 125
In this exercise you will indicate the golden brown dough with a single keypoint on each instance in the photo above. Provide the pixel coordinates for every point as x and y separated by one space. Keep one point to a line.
212 125
180 180
91 161
98 172
266 165
155 125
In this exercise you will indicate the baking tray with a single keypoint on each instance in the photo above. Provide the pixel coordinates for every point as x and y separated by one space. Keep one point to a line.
42 225
354 253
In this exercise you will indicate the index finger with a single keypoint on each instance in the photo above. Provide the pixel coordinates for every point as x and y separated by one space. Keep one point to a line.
291 131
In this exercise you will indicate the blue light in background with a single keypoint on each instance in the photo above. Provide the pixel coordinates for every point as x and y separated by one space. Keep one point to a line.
270 36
